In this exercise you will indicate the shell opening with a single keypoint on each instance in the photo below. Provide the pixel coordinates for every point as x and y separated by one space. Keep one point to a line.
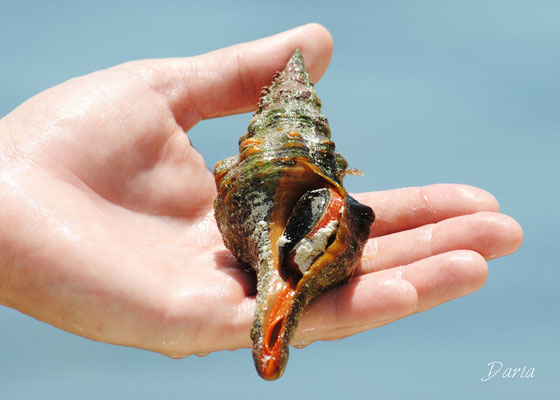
271 365
310 230
275 333
303 224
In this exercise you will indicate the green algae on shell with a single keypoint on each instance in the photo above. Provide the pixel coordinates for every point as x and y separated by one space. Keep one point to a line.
281 208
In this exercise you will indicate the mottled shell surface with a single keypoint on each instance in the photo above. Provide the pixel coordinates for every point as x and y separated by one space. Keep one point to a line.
286 152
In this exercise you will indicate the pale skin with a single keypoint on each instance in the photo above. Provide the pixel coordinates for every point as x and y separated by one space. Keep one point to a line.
107 228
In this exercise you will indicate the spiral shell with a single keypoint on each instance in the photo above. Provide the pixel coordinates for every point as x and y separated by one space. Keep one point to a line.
281 208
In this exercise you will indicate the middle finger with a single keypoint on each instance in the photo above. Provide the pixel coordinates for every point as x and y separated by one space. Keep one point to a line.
489 234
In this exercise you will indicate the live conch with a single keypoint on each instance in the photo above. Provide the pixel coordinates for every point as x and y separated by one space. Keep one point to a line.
282 209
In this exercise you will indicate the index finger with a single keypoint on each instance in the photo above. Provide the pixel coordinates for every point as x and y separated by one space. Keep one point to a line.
402 209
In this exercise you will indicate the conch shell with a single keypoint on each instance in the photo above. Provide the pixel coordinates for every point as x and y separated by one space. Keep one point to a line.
282 209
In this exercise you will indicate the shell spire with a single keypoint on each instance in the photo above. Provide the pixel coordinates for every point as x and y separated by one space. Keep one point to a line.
292 84
282 209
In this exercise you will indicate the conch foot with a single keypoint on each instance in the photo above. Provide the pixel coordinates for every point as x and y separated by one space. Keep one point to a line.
282 209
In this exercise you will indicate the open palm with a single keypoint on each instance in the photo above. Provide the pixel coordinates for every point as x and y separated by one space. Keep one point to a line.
107 228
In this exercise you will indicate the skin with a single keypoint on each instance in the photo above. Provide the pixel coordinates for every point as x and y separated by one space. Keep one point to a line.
107 229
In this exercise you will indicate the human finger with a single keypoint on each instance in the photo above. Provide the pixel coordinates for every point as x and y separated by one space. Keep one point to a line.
407 208
445 277
376 299
360 302
229 80
490 234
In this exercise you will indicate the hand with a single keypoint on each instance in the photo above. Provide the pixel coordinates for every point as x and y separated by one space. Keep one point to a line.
107 229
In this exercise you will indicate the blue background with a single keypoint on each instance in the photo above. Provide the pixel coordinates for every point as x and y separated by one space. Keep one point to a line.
417 93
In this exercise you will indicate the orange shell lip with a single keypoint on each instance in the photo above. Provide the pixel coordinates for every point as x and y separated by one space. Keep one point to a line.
275 337
271 365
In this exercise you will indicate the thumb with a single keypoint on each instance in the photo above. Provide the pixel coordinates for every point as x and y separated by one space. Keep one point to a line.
229 80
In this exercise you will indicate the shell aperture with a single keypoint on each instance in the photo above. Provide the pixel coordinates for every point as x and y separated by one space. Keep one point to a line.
310 228
282 209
